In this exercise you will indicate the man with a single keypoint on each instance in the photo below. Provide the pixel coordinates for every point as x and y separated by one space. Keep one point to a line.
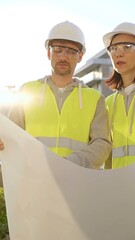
61 111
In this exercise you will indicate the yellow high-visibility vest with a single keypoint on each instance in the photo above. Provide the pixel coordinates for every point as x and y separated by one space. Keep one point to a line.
123 130
62 132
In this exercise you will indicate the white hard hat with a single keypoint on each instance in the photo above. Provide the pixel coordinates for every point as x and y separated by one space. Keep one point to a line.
67 31
126 28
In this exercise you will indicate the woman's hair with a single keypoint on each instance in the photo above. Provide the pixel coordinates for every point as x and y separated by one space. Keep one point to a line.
115 81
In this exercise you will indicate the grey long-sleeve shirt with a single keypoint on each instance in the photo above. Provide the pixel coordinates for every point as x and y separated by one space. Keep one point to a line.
97 151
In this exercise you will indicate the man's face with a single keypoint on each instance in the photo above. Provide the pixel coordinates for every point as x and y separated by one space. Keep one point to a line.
64 56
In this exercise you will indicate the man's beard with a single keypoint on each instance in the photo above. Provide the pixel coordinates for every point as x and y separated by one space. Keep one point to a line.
62 71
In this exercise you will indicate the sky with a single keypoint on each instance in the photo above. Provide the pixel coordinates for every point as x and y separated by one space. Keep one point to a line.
24 27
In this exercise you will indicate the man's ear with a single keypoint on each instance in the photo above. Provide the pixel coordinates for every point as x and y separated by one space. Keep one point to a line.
80 57
48 54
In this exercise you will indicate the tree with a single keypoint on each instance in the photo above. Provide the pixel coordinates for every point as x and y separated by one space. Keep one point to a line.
3 216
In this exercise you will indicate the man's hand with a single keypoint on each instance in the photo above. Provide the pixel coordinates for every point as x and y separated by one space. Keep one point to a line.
1 145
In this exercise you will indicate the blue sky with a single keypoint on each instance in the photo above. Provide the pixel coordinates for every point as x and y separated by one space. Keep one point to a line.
25 25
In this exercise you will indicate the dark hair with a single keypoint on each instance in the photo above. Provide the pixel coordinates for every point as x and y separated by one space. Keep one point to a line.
115 81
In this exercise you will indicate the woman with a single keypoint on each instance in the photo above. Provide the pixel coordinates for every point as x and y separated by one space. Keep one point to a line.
120 44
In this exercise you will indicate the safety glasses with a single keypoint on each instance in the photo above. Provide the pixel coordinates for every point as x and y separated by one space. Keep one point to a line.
67 51
125 47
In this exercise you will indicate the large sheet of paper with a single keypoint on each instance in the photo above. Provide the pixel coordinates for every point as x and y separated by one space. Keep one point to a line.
50 198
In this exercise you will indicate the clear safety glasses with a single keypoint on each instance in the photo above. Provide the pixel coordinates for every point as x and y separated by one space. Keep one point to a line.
67 51
124 47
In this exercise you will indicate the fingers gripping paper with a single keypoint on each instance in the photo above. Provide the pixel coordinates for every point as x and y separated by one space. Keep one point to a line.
50 198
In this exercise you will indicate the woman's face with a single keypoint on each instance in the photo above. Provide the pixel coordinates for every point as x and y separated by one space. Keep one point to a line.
122 53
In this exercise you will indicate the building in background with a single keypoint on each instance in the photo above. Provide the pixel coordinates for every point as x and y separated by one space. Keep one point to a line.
95 71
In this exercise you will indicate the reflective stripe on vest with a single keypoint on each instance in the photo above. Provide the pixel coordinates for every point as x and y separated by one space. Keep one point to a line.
63 142
66 131
123 151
